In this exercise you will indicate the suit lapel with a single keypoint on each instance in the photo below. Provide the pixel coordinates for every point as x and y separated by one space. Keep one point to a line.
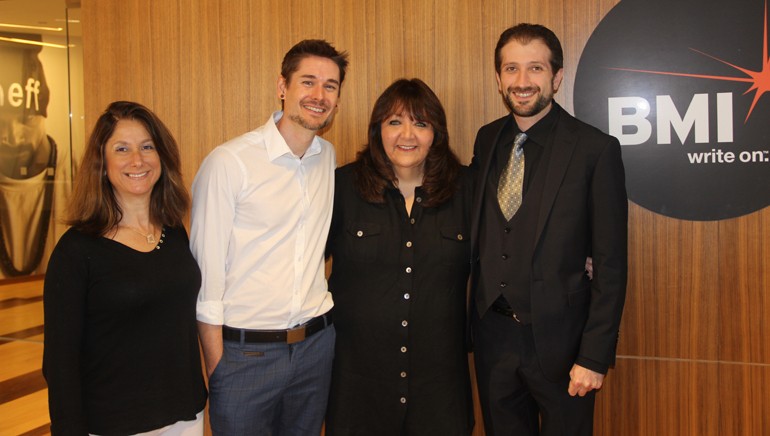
564 143
484 165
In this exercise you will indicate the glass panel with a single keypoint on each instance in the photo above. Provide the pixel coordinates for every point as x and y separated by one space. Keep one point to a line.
40 87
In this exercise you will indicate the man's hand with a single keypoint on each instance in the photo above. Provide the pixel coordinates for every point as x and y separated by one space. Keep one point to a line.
211 342
590 268
583 380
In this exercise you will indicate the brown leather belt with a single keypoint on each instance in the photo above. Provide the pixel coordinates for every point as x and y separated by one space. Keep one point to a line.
288 336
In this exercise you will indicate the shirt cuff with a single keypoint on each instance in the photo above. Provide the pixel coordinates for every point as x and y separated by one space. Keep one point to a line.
592 365
211 312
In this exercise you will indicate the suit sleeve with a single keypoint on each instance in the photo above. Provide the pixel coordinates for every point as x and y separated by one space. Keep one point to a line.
608 209
475 160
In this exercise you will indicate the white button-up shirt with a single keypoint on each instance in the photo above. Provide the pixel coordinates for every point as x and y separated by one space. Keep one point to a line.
260 218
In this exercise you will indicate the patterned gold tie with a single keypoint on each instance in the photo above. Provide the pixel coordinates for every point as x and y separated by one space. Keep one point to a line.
510 187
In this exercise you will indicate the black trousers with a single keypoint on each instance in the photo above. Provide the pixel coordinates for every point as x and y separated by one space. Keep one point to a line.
516 398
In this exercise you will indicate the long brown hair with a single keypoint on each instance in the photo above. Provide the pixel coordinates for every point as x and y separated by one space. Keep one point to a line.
374 172
94 209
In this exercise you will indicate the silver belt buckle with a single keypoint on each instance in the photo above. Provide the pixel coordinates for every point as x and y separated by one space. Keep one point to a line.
297 334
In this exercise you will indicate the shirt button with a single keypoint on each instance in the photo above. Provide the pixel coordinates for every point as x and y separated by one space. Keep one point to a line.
418 199
411 220
403 374
507 230
408 244
359 233
503 284
403 400
409 270
404 323
505 257
406 296
403 349
459 237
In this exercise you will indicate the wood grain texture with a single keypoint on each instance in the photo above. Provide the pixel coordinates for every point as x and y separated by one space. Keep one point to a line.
24 414
659 397
23 392
672 308
744 281
743 400
698 291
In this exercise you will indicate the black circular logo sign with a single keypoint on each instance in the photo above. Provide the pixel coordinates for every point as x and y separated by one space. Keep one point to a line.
685 86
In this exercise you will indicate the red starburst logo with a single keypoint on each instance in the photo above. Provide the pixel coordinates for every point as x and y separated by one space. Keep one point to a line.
759 80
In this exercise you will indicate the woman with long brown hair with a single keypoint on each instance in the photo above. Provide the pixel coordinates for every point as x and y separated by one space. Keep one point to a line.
121 350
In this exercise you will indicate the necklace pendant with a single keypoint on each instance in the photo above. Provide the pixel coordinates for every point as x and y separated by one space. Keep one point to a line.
151 239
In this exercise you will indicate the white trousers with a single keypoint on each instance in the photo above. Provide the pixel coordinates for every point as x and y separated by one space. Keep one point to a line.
179 428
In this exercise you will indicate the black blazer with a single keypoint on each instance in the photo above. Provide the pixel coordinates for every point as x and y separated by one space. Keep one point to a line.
583 212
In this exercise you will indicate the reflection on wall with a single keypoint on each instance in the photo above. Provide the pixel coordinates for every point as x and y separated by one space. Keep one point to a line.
35 154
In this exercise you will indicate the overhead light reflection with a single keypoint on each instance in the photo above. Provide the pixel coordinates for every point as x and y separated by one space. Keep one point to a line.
23 26
30 42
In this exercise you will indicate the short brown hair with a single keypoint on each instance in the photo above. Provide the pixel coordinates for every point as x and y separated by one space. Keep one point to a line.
524 33
312 47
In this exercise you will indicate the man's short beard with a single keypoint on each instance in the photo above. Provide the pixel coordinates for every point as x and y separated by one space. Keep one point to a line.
315 127
540 104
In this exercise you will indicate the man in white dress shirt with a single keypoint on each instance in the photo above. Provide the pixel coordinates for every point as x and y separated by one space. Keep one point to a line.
262 206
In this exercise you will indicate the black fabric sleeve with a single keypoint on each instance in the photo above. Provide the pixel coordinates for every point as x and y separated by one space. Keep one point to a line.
64 302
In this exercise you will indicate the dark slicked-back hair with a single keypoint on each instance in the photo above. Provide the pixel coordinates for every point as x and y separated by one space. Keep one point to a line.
94 209
312 47
375 172
524 33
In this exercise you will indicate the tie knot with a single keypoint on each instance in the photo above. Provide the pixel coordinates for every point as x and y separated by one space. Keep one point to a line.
518 143
519 140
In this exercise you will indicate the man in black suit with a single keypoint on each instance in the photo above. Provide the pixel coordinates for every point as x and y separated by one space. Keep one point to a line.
544 333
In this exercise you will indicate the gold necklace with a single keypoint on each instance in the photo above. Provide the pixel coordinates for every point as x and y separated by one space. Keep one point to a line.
149 236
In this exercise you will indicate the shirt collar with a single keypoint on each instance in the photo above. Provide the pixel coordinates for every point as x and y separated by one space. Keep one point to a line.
539 132
276 146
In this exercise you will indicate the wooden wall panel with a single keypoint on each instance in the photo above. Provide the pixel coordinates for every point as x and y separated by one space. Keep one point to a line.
693 353
672 309
743 399
236 49
162 58
659 397
744 280
201 107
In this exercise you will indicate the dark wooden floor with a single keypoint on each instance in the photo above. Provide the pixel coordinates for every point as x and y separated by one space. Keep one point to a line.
23 393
